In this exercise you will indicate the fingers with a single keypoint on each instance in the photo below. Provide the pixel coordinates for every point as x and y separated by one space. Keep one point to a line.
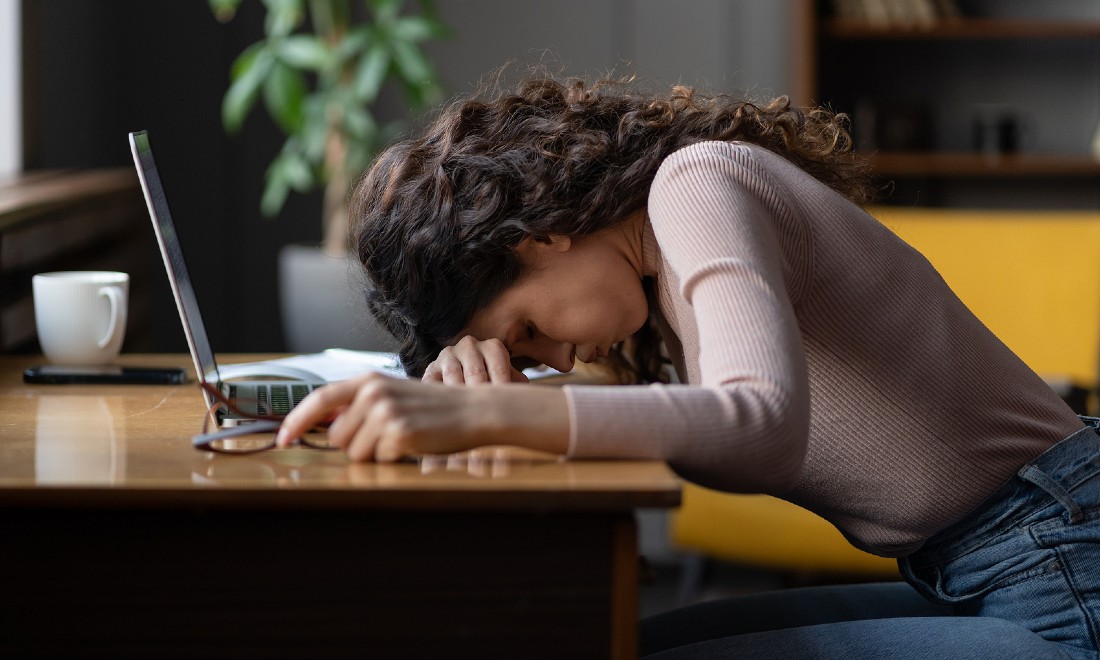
360 429
372 417
471 361
320 406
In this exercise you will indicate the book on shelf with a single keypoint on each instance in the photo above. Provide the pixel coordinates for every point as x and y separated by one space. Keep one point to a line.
896 13
1096 142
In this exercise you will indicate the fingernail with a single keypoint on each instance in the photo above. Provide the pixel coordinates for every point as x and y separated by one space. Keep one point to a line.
281 438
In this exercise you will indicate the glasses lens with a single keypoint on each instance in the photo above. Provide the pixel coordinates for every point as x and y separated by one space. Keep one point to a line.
317 441
243 444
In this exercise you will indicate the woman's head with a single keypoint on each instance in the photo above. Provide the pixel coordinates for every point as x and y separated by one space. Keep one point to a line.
438 219
577 298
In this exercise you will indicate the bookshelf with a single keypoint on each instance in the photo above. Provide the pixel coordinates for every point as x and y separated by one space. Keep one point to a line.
930 74
969 164
961 28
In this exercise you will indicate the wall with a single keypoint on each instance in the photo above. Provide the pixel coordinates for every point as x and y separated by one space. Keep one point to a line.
713 44
11 151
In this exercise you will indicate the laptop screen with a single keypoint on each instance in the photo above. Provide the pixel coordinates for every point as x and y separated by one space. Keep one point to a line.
170 250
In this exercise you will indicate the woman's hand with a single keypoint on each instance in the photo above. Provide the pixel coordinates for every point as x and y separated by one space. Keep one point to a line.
473 361
375 417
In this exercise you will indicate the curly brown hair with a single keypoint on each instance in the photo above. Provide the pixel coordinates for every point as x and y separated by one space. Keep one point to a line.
437 219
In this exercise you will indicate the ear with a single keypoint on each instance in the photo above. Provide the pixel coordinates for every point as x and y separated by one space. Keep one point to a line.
532 246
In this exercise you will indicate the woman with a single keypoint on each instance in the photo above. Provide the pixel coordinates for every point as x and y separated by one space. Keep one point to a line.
821 359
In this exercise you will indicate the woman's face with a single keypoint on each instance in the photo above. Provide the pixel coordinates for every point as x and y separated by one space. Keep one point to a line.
576 298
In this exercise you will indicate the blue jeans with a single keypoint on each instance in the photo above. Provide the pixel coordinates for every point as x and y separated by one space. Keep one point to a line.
1017 578
1031 553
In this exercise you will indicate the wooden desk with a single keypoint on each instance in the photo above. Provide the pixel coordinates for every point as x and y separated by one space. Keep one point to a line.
119 539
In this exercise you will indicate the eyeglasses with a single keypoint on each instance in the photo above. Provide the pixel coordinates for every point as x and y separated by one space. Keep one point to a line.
255 433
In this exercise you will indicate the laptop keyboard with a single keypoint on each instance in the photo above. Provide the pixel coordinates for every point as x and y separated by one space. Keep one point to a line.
282 398
276 399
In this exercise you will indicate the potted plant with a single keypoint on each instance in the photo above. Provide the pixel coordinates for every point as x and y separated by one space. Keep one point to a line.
319 71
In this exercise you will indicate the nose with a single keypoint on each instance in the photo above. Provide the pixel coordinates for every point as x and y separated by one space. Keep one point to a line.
554 354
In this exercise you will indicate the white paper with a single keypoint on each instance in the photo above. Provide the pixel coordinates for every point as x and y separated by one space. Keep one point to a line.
336 364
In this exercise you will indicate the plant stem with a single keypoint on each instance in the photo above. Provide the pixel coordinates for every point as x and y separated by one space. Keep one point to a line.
335 239
331 19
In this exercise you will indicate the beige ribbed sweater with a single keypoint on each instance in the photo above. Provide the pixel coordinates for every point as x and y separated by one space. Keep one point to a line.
825 361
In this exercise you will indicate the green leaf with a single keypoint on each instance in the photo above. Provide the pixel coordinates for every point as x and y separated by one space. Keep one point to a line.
246 59
283 16
296 170
224 10
329 18
320 68
242 93
288 171
304 52
414 66
276 190
385 11
371 73
314 132
284 91
428 9
352 44
417 29
359 123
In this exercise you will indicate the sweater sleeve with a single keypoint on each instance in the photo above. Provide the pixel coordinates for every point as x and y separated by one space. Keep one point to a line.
744 427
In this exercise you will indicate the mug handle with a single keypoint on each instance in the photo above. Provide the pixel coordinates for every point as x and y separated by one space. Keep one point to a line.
114 295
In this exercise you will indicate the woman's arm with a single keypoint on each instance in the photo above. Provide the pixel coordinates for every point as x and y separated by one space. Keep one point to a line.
375 417
717 216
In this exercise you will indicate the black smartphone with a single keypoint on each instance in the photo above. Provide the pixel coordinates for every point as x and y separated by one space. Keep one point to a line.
59 373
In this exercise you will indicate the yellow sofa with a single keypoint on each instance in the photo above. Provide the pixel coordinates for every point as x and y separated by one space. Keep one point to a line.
1031 276
1034 280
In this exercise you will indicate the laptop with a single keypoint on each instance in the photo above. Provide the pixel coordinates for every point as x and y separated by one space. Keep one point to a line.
255 388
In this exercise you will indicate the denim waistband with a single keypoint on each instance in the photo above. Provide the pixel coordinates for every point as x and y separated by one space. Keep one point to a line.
1052 474
1073 459
1064 466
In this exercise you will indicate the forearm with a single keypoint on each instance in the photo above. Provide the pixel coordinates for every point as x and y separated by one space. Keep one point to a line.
526 416
745 436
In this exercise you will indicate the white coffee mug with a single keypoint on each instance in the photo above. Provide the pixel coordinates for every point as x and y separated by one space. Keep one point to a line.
81 315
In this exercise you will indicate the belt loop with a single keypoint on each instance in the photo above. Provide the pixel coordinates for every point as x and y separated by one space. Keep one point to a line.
1094 422
1042 480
